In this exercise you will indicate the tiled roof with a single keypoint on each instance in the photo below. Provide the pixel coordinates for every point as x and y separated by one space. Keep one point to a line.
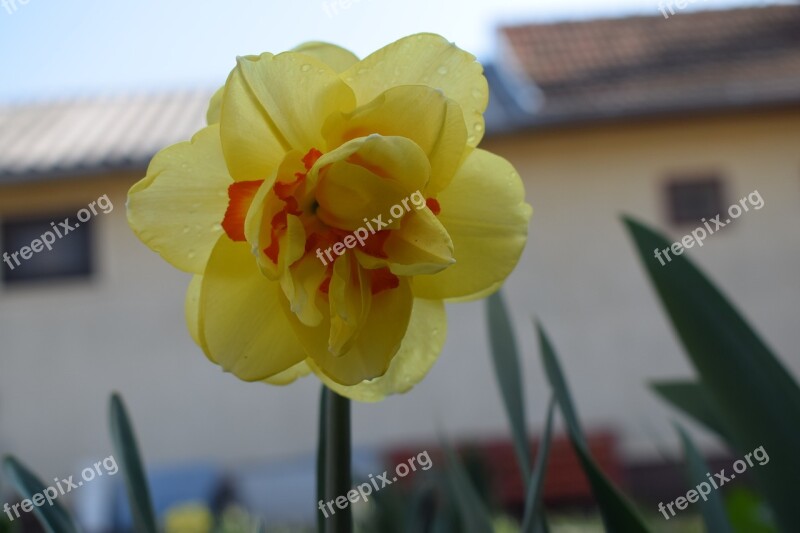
67 138
650 65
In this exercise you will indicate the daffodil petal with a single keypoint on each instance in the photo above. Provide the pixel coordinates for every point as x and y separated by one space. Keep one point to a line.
177 208
241 319
295 95
300 281
336 57
192 310
215 107
421 245
350 299
307 275
425 59
252 145
418 352
422 114
485 213
376 345
290 375
378 173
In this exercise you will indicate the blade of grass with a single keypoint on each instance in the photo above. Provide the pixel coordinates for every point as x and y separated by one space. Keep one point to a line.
712 509
534 520
53 517
475 517
334 460
694 400
508 373
618 513
756 397
124 440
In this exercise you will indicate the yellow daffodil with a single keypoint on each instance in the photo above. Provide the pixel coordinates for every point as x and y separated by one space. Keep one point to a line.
189 518
329 209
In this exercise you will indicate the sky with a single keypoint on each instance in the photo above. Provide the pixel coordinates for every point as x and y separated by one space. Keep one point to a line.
56 49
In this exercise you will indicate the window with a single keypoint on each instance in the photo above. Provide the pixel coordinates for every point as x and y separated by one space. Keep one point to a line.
30 256
691 200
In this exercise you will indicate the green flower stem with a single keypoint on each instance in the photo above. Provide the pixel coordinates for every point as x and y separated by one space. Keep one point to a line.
333 463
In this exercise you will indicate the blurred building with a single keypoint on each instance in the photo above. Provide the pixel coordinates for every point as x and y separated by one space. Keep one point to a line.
669 120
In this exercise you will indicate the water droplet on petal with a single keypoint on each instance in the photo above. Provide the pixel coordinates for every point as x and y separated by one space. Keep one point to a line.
305 68
442 70
478 127
477 93
216 227
186 229
362 71
471 139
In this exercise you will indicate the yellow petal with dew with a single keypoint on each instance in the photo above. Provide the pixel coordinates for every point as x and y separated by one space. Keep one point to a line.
425 59
192 310
289 376
422 114
307 275
421 245
178 207
252 144
485 213
215 107
418 352
370 176
295 93
241 317
336 57
350 298
376 345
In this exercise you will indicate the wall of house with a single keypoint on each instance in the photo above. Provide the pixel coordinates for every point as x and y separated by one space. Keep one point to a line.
66 346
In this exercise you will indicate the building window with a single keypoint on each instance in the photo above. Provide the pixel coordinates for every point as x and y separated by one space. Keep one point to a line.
39 249
691 200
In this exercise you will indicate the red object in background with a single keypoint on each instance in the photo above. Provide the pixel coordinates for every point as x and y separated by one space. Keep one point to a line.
565 483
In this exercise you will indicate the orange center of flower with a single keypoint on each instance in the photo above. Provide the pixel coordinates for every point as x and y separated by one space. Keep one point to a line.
293 199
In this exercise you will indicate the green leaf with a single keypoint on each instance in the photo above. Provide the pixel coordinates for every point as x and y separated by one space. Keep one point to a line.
618 513
748 512
757 399
533 520
475 517
712 509
419 509
53 517
509 378
333 462
694 400
124 440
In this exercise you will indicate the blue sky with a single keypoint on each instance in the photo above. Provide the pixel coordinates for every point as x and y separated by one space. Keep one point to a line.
64 48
